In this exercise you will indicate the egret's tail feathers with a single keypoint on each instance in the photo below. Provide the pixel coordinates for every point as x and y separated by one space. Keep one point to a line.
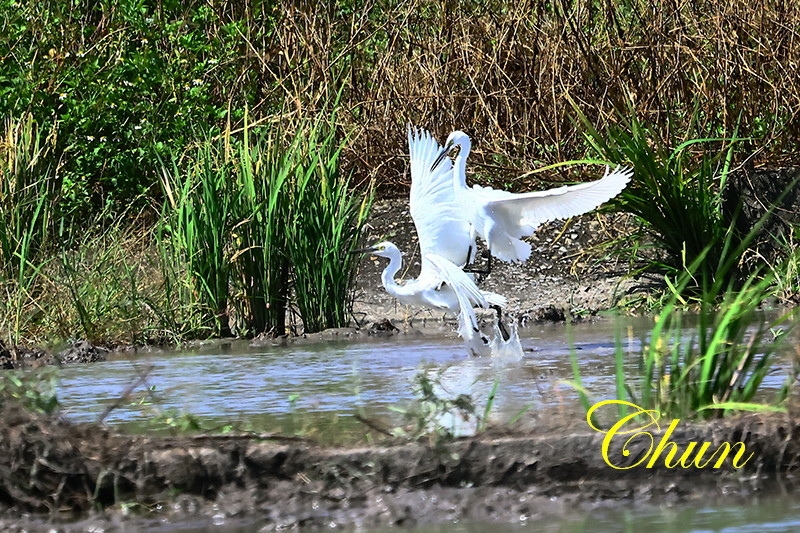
492 298
468 326
478 345
466 292
509 249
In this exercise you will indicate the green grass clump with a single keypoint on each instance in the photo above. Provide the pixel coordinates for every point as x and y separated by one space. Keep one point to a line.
196 217
676 194
708 363
262 213
298 219
719 365
252 227
28 193
263 223
107 288
327 220
26 196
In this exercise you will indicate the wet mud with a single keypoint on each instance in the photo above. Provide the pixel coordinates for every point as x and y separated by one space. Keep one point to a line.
19 357
62 472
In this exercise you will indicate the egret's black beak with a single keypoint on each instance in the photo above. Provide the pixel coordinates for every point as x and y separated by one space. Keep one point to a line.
368 249
441 156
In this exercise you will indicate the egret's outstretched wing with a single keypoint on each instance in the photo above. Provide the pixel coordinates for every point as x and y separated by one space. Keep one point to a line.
466 291
531 209
441 223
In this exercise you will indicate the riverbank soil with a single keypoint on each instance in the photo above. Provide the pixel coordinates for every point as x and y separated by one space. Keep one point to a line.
67 472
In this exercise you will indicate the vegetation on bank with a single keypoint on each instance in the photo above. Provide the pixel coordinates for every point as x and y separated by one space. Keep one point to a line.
249 232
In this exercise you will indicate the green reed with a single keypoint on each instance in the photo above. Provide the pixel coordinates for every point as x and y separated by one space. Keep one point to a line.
716 365
328 216
28 194
196 217
262 211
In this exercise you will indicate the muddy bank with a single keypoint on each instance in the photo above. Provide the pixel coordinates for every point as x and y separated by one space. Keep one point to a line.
57 469
81 351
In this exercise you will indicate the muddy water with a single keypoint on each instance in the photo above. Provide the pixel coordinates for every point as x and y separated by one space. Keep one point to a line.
764 513
316 389
306 387
274 388
773 514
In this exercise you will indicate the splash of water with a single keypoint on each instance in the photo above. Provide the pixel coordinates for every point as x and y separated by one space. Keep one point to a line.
510 349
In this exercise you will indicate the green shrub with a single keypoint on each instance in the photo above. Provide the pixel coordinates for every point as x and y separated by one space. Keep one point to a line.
126 82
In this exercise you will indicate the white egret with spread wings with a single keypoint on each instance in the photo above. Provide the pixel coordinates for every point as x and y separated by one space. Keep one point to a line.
444 240
503 218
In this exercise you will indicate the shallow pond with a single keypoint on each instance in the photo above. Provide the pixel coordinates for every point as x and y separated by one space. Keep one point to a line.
318 389
305 387
772 514
276 388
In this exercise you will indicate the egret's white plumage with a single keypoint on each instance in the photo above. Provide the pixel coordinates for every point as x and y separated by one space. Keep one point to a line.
440 285
442 225
503 218
445 240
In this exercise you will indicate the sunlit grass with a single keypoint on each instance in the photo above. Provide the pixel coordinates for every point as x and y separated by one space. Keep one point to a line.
265 221
197 218
718 364
28 189
676 194
708 362
327 220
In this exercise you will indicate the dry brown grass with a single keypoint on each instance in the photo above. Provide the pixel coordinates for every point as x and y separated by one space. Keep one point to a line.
506 72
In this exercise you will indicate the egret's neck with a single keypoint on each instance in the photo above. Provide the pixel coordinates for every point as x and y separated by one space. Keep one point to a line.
395 262
461 163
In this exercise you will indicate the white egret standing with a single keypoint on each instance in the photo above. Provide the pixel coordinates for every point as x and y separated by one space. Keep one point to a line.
503 218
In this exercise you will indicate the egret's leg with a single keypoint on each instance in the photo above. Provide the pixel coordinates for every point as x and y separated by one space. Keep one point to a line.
503 331
482 271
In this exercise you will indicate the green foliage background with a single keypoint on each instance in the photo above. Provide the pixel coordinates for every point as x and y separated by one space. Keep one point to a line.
125 82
